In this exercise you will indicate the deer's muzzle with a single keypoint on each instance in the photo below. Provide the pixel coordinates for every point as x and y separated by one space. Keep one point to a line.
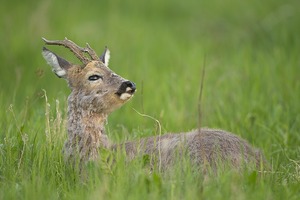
126 90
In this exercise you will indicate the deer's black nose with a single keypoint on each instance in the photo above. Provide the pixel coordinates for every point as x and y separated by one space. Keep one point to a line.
126 87
129 84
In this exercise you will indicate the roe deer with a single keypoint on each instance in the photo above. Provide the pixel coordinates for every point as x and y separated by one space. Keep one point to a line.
96 91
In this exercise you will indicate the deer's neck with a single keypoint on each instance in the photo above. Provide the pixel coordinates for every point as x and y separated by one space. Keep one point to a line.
86 132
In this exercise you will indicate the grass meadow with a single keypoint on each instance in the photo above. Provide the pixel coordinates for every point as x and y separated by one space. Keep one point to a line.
251 54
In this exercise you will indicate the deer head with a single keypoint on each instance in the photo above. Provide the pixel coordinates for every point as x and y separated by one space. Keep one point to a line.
94 86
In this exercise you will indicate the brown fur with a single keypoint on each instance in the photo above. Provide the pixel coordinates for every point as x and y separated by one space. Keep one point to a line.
204 146
90 103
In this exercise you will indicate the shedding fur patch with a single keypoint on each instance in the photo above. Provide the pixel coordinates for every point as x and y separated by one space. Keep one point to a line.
53 62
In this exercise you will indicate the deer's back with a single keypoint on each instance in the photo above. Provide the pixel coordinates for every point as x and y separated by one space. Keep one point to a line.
200 146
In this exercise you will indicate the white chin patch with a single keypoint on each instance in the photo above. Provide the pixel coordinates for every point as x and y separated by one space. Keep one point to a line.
125 96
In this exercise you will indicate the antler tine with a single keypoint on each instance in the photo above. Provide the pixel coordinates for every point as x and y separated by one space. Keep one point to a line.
77 50
91 52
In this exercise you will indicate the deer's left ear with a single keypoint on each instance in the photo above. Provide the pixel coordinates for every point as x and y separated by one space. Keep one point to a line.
58 64
105 56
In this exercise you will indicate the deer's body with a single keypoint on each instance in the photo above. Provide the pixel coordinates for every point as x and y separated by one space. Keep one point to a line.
204 146
97 91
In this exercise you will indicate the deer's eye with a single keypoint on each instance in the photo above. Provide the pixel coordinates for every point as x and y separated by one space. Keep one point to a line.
95 77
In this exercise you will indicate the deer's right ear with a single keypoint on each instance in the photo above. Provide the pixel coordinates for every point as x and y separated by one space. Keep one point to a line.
105 56
58 64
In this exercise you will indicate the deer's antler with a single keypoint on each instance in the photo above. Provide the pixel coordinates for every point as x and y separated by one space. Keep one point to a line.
77 50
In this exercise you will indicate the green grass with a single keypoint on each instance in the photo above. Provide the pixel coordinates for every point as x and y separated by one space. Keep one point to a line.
252 88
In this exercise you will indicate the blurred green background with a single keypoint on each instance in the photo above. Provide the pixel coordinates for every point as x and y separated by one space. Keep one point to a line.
251 53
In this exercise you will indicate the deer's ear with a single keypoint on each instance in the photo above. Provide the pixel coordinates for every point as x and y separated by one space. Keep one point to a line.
105 56
58 64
